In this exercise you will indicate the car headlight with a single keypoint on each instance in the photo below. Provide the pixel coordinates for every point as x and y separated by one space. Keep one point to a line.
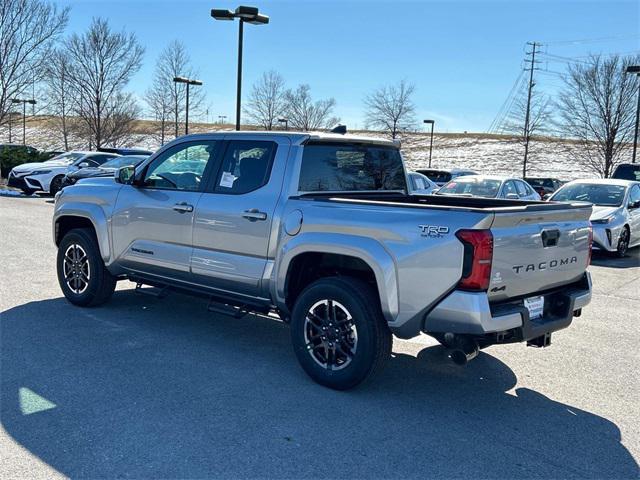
40 172
603 221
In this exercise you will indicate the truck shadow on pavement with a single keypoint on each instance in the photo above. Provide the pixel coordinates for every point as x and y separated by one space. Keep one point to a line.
147 388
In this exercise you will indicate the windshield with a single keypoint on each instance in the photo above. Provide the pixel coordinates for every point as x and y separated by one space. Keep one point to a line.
598 194
68 158
123 161
344 167
436 176
627 172
479 187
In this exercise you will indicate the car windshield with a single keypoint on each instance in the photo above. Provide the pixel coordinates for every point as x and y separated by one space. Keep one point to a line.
479 187
344 167
596 193
123 161
67 158
627 172
437 176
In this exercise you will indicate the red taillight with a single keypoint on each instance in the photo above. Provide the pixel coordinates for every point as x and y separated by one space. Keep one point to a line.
590 245
478 255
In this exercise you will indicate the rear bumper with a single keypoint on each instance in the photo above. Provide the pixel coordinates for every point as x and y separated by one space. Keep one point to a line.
470 313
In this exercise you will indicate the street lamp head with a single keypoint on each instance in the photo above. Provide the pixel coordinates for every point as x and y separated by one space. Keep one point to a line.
429 121
221 14
195 82
283 119
32 102
246 13
259 19
16 100
180 80
633 69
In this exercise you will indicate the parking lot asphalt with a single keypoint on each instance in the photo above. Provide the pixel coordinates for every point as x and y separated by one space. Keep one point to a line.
149 388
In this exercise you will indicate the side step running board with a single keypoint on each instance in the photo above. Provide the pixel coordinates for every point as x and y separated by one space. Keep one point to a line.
156 292
226 309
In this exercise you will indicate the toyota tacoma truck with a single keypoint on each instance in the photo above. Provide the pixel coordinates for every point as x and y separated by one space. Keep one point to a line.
320 231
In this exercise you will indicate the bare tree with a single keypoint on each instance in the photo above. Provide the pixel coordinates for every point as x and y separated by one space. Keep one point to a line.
267 100
305 114
28 29
158 100
391 108
59 94
540 116
597 109
101 64
174 62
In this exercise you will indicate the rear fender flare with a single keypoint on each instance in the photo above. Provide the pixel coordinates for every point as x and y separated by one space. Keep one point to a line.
366 249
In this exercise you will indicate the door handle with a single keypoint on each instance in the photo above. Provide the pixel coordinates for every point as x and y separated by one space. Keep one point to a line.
183 207
254 214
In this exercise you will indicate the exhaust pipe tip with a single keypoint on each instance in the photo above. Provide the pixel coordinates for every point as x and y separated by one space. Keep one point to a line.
464 352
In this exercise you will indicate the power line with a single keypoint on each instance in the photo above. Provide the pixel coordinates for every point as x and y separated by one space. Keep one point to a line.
591 40
495 121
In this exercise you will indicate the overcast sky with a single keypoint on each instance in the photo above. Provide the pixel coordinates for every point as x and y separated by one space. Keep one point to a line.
462 56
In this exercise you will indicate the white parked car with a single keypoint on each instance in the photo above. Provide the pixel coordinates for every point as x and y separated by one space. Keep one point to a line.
490 186
420 184
616 211
47 176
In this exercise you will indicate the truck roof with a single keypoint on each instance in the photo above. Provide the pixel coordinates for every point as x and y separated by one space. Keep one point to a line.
300 137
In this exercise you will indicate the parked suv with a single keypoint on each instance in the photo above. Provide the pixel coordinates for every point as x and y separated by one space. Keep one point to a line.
627 171
320 231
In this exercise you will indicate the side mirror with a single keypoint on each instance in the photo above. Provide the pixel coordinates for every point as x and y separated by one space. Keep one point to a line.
512 196
83 164
125 175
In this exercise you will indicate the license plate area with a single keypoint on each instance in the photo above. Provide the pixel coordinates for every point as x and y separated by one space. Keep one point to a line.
535 306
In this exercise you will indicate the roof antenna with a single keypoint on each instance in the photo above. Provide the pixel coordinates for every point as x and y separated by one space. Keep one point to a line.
340 129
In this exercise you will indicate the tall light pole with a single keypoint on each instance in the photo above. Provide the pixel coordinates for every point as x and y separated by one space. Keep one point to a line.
222 119
24 115
285 121
635 69
432 122
188 81
244 14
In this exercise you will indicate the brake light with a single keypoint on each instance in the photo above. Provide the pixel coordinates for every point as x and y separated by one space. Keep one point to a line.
590 245
478 255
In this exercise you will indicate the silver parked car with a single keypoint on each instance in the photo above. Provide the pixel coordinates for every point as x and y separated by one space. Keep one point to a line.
420 184
490 186
616 211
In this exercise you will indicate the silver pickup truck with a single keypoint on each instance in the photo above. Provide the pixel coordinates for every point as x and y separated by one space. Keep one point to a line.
320 231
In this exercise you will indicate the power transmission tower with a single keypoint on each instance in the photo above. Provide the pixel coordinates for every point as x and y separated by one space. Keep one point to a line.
534 49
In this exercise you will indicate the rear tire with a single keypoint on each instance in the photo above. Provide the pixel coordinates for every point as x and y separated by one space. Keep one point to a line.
339 334
82 276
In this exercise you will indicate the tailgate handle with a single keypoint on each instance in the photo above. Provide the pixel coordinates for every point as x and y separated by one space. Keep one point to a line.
550 237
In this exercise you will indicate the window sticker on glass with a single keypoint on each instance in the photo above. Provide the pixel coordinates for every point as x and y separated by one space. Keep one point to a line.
227 179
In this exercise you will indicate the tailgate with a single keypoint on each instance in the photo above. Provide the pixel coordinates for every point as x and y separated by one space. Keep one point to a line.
537 250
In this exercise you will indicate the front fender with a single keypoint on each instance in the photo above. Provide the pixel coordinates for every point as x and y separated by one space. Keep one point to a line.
366 249
92 212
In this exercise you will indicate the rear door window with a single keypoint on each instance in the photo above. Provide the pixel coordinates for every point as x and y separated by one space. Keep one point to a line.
246 166
342 167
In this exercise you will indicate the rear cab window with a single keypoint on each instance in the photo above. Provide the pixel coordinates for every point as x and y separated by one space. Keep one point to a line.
351 167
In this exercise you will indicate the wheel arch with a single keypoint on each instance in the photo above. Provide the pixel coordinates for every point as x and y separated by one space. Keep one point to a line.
309 257
67 219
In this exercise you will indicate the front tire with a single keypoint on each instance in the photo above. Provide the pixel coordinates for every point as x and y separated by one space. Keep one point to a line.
56 184
623 243
82 276
339 334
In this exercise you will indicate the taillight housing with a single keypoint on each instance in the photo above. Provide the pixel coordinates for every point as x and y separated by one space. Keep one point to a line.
590 245
478 256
